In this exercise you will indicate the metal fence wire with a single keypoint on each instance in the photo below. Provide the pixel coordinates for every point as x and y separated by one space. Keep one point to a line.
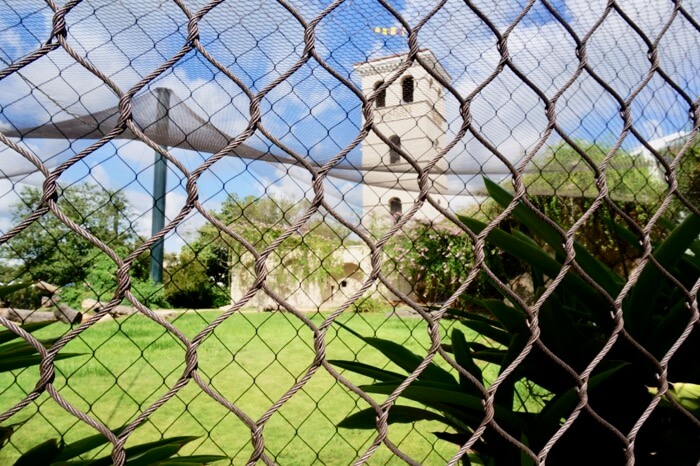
350 232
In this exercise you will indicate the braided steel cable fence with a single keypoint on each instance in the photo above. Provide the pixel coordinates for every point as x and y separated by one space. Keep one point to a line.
351 231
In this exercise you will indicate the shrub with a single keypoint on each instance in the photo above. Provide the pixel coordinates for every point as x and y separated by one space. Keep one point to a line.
368 304
101 283
435 259
575 323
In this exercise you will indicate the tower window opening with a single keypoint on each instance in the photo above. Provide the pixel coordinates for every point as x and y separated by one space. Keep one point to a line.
381 97
407 88
395 208
394 156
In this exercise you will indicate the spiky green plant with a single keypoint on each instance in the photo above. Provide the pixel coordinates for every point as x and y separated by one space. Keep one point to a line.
575 322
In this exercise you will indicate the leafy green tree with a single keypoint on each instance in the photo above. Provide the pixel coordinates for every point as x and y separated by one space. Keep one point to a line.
564 172
564 189
689 178
687 175
435 259
189 285
49 250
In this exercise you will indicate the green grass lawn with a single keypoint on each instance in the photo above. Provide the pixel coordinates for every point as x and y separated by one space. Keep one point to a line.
251 359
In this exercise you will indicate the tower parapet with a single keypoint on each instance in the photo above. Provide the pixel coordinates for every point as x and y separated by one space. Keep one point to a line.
411 114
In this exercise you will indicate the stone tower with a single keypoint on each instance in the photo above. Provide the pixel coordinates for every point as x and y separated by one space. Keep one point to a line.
411 114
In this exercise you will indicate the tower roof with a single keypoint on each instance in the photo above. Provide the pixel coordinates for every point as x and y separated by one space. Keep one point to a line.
387 64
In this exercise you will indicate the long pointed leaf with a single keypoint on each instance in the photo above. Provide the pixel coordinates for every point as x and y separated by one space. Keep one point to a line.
84 445
154 455
457 439
26 361
491 357
666 333
602 275
9 335
642 303
626 234
398 414
434 396
368 371
461 351
489 331
539 259
548 420
525 215
506 392
192 460
512 319
405 359
22 348
44 453
137 451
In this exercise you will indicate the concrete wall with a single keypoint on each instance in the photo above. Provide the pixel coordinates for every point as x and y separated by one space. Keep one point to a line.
305 294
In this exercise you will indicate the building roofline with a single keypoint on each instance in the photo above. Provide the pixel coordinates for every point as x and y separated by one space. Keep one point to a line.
387 57
389 62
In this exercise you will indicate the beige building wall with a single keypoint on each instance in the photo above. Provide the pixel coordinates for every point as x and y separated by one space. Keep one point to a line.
418 124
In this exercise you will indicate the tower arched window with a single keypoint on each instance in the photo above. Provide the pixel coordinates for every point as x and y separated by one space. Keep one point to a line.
407 87
395 208
381 97
394 156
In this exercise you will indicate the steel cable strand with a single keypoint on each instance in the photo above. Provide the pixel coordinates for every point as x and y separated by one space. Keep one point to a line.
192 196
254 106
329 165
550 106
570 253
58 29
625 110
49 186
693 322
581 45
45 376
662 365
549 109
123 285
524 200
489 400
118 455
480 243
47 366
464 107
693 105
433 332
653 56
684 150
24 152
123 122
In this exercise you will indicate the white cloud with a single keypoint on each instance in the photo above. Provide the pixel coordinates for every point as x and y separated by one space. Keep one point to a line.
259 41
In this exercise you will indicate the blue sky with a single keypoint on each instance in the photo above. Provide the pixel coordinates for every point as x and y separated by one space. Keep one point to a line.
311 111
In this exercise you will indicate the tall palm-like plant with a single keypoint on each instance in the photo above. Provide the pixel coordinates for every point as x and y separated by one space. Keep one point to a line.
576 322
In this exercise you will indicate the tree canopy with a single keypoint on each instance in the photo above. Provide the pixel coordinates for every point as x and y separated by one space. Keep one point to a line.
49 250
564 172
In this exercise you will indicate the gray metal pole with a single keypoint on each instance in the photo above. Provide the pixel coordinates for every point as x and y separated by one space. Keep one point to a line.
160 175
